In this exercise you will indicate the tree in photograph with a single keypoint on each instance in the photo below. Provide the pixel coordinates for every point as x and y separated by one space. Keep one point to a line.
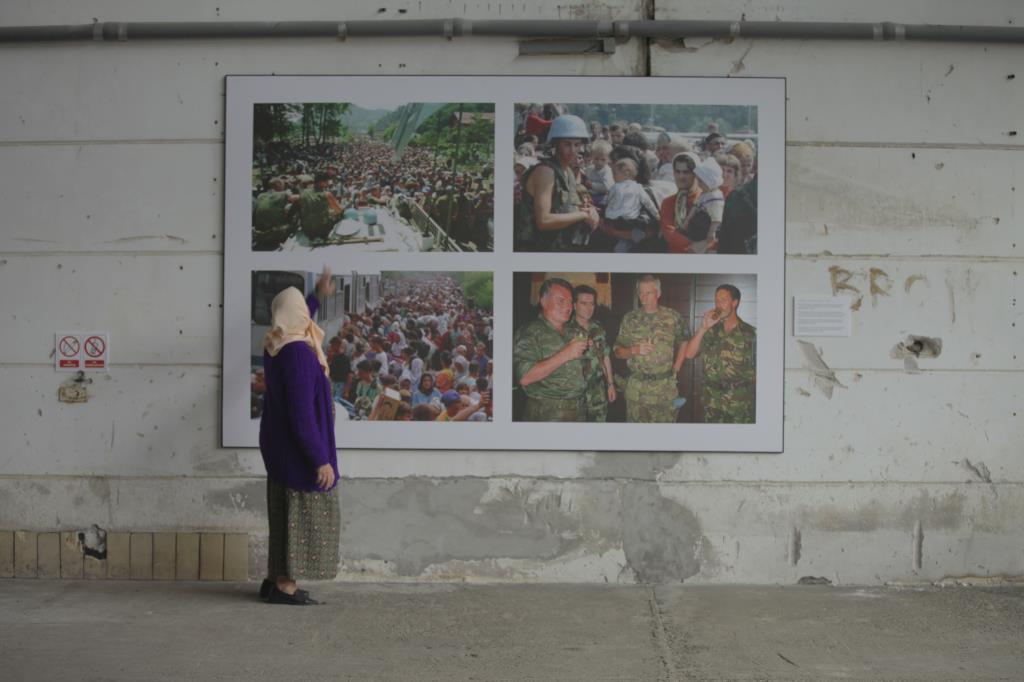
478 288
321 123
270 122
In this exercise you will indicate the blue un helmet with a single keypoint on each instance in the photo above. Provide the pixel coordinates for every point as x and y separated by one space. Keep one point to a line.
569 126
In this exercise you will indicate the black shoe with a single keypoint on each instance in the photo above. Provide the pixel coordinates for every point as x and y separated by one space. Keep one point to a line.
267 585
300 598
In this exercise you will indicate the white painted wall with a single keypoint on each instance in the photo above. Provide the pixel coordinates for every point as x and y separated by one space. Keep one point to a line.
900 158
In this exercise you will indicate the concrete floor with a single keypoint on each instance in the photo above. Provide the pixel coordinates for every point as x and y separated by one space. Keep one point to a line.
79 630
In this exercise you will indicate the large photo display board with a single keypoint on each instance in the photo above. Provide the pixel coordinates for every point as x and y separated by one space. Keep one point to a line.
563 263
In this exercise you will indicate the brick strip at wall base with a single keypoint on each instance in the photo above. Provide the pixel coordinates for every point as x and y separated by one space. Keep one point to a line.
25 554
6 554
71 563
187 558
48 556
211 556
142 556
163 556
119 562
138 556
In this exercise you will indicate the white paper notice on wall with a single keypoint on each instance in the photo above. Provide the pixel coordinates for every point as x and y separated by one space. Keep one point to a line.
822 316
82 351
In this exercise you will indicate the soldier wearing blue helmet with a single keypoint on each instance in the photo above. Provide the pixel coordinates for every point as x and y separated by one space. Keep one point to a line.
550 215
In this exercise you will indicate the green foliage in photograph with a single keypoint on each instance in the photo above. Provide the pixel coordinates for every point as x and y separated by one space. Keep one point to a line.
469 144
303 124
681 118
478 288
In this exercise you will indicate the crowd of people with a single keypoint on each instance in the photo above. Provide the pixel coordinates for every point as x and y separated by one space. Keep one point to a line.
423 353
597 188
308 189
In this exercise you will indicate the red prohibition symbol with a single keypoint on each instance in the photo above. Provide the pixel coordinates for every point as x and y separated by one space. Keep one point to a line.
69 346
95 346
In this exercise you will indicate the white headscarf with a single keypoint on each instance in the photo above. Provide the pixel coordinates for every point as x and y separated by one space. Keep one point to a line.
681 195
290 322
709 172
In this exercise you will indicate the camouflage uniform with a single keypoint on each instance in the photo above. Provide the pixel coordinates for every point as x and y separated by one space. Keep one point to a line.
729 371
559 396
269 220
596 398
565 198
269 211
315 214
651 387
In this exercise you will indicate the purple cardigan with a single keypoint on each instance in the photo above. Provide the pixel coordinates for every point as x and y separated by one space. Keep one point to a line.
297 425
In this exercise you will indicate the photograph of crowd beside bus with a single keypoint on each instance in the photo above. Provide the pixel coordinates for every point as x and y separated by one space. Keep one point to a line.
367 176
636 178
634 348
400 346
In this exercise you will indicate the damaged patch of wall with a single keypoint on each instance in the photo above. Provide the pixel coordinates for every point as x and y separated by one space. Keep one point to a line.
662 539
945 512
631 465
503 527
249 498
915 347
417 523
93 541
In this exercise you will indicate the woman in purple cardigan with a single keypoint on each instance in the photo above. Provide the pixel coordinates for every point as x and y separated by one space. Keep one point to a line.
297 444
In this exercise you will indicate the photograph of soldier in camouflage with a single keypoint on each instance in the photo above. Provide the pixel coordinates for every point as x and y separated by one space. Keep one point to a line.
636 178
634 347
371 175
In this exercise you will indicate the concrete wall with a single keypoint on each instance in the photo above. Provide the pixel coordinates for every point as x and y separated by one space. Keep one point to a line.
903 170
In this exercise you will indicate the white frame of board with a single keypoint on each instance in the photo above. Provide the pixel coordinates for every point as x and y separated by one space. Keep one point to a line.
767 94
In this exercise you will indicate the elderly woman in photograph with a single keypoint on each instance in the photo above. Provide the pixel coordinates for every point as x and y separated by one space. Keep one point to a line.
676 208
297 444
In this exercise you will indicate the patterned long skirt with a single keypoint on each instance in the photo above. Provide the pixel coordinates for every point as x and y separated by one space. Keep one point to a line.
304 533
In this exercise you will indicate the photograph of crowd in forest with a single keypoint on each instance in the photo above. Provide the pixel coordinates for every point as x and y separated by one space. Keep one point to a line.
634 348
635 178
399 346
369 176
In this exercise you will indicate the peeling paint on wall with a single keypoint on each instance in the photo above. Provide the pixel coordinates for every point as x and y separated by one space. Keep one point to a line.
824 378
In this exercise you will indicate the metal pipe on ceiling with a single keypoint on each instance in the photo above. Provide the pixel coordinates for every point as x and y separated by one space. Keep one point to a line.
562 29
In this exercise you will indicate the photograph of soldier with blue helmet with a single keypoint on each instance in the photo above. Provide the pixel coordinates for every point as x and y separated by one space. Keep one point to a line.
634 347
636 178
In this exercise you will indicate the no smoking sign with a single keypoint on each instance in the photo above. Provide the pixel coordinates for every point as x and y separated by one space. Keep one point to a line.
82 351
